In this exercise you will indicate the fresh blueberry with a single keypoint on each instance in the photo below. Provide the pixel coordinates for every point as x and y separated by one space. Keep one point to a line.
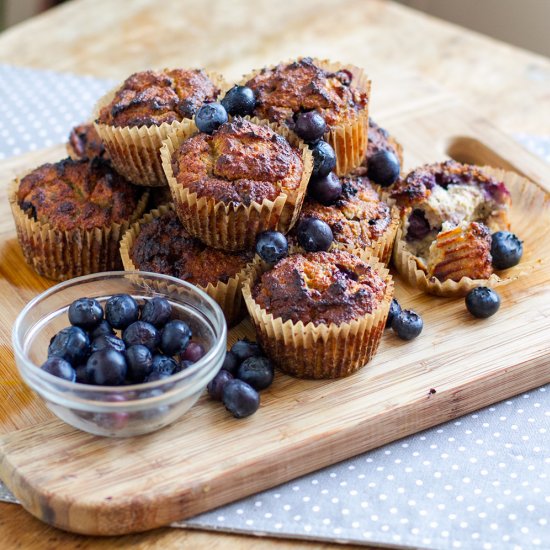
407 324
60 368
162 363
217 384
383 168
115 420
239 100
240 398
310 126
230 362
256 371
210 117
243 349
314 235
107 367
395 309
156 311
482 302
103 328
121 310
175 337
142 333
107 341
324 159
271 246
82 374
157 375
140 362
185 364
325 189
71 344
506 250
193 352
85 313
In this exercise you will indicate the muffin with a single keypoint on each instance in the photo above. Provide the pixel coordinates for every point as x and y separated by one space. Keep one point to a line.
133 120
85 144
339 93
381 140
359 220
71 215
321 314
159 243
247 177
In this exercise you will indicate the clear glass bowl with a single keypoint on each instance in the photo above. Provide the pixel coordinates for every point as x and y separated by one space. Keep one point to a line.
119 411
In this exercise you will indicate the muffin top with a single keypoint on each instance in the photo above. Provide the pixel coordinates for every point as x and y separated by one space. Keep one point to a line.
290 88
77 194
321 288
241 162
85 143
164 246
151 98
358 218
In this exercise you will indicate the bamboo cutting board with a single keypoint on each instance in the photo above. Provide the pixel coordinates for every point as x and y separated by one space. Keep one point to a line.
92 485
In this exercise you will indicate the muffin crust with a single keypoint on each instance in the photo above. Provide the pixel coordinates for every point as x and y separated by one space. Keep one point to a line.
85 144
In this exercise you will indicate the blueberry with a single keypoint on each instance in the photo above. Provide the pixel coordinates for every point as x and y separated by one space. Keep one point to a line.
140 362
243 349
142 333
506 250
271 246
175 337
383 168
240 398
482 302
115 420
193 352
103 328
324 159
185 364
256 371
210 117
230 362
310 126
60 368
314 235
325 189
162 363
71 344
107 341
156 311
82 376
121 310
158 375
419 226
85 313
395 309
239 100
407 324
217 384
107 367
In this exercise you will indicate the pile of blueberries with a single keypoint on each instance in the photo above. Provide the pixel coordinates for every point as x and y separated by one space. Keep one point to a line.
244 373
151 346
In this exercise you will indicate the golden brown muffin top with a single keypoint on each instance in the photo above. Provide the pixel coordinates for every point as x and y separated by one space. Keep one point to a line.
358 218
151 98
290 88
241 162
85 143
320 287
164 246
74 194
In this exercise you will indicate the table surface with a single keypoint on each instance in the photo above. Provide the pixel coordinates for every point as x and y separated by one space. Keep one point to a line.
509 86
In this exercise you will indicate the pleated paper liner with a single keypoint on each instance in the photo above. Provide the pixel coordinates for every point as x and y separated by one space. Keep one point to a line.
234 226
134 150
349 138
228 295
530 221
62 255
323 351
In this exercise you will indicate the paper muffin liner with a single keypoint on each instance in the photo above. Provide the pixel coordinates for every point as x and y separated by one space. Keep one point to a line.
228 295
134 150
349 138
323 351
61 255
529 202
234 226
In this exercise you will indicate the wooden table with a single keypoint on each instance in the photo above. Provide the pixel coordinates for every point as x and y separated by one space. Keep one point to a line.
103 38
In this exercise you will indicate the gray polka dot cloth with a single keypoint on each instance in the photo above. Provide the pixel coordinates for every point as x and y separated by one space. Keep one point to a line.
481 481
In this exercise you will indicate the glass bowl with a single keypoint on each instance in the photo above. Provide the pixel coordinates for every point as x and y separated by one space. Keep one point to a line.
119 411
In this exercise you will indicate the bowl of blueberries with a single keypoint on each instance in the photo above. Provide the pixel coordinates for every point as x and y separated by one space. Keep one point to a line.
120 353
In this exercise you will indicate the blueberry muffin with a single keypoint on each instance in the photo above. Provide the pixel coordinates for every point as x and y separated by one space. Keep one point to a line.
321 314
71 215
339 93
381 140
244 178
133 120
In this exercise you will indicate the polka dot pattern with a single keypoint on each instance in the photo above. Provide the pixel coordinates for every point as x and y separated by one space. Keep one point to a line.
480 481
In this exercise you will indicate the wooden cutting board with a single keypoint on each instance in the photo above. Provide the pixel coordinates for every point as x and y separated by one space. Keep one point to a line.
93 485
